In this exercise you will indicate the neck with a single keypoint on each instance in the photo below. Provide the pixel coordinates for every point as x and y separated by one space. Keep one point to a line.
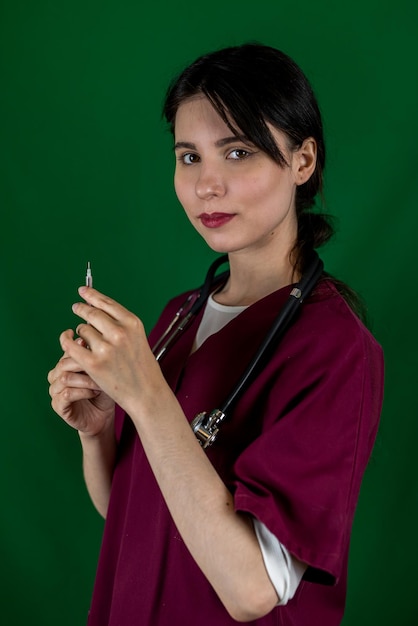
252 278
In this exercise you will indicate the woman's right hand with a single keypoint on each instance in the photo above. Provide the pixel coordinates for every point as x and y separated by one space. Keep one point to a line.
78 400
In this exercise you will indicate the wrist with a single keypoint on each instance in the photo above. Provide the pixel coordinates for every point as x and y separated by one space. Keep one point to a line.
103 433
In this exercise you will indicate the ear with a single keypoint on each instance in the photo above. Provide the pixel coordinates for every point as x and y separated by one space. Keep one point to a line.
304 161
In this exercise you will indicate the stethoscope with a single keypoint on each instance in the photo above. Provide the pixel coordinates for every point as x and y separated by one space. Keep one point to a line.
206 425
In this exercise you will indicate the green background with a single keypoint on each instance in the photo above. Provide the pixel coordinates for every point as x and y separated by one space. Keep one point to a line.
86 174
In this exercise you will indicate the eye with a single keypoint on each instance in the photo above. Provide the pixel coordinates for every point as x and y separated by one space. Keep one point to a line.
238 154
188 158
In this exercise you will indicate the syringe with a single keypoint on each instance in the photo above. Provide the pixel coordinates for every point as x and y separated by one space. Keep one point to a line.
89 277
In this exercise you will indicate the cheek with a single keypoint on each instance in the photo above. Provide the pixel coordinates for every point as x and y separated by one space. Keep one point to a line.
179 187
276 187
256 189
185 194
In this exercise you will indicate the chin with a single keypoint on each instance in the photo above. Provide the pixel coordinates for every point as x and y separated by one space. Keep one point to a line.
224 245
218 246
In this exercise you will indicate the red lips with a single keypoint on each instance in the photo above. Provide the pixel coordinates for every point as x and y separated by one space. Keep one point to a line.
215 220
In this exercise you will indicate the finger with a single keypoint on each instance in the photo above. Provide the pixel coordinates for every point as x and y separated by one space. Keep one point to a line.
72 380
98 300
75 350
98 320
66 363
88 334
62 402
81 342
102 326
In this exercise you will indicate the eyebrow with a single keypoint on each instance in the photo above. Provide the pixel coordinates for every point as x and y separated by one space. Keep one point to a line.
225 141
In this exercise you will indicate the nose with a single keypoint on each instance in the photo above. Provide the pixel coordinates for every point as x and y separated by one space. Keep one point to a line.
210 183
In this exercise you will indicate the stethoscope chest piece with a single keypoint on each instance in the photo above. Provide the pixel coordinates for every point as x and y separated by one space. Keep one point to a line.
206 426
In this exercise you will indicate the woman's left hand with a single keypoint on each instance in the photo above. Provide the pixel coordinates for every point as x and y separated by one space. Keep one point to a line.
118 357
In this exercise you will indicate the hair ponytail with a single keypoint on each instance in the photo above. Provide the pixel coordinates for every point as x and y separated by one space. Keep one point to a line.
314 230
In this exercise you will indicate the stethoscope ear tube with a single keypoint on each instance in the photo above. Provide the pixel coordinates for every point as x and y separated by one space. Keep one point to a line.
206 426
189 309
207 286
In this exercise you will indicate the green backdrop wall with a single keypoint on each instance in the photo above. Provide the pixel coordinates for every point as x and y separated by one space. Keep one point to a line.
86 174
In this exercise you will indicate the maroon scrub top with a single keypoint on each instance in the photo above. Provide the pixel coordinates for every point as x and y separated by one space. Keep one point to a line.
293 453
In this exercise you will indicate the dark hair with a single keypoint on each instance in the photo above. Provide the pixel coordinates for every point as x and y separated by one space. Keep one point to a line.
250 86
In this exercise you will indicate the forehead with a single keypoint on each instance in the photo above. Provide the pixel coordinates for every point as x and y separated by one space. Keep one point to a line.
197 114
197 120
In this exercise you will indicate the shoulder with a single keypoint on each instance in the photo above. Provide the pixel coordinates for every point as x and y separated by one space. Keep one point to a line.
328 346
324 321
327 316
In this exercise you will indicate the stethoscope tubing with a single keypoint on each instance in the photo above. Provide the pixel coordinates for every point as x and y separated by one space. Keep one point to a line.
206 425
190 308
283 320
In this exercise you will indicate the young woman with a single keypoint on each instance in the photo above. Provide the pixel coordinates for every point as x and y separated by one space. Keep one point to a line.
256 527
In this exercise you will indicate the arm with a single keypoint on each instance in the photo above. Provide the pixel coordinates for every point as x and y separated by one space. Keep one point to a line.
82 404
222 542
99 452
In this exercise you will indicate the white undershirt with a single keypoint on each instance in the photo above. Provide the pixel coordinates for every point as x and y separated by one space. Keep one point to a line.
285 570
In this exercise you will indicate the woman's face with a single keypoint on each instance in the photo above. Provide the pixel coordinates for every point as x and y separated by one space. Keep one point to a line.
233 193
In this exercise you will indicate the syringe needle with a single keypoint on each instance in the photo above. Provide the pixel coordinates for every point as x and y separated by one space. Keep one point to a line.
89 277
